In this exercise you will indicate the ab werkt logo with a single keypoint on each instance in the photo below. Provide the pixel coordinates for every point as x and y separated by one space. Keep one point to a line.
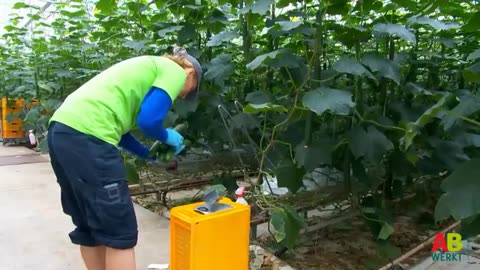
447 251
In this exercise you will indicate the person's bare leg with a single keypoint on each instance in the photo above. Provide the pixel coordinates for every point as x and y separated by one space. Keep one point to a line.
94 257
120 259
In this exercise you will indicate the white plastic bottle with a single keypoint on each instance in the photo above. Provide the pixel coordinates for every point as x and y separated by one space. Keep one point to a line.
239 193
31 138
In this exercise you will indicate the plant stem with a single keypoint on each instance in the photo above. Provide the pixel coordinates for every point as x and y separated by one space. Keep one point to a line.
247 44
274 130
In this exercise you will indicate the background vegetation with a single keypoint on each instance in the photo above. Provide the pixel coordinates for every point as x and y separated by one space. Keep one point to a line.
387 92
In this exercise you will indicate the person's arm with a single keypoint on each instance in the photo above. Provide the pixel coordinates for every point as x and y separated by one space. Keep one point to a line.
132 145
150 119
153 111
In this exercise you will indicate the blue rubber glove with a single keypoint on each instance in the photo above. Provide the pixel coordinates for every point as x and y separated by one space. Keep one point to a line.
175 139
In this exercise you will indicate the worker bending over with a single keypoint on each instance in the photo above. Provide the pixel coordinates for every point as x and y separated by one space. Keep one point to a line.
84 135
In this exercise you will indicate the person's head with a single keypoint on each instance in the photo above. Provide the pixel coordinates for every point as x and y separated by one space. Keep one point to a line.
192 68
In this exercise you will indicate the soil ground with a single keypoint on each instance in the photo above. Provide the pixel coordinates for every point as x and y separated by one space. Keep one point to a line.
351 245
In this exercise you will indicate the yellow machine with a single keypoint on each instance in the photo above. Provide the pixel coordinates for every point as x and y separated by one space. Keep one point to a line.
211 235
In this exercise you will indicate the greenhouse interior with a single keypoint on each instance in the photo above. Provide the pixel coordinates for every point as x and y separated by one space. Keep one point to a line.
240 135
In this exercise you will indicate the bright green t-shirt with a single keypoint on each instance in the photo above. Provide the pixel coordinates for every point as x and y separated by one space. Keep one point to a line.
107 106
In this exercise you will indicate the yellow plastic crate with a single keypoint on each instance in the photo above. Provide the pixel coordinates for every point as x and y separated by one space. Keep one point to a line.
13 129
213 241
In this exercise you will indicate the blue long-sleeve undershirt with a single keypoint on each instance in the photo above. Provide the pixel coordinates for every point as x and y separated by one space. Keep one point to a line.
153 110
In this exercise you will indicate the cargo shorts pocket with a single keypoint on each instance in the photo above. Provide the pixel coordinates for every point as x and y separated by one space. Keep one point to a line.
115 210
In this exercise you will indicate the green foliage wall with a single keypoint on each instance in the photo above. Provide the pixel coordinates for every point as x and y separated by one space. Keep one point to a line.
384 91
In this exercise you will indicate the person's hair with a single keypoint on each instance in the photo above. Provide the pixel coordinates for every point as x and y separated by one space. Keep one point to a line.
178 58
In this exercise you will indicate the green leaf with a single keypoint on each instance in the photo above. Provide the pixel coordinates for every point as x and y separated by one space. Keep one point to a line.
46 87
351 66
369 5
434 110
278 221
227 181
310 157
359 171
370 144
417 90
258 61
140 162
337 7
395 29
409 4
106 6
220 68
474 55
455 157
287 25
260 7
187 34
244 121
290 176
385 67
132 174
220 189
473 23
282 27
466 139
218 16
435 24
294 216
43 146
284 3
461 192
412 129
467 106
225 36
388 250
258 97
265 107
294 223
51 105
386 231
369 210
278 58
31 116
73 14
472 73
171 29
286 223
442 209
350 35
183 106
327 99
470 227
20 5
136 45
286 60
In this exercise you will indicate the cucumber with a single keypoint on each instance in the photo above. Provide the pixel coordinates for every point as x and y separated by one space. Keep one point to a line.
169 155
161 148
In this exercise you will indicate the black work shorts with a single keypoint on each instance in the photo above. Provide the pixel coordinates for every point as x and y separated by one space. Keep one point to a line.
94 189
